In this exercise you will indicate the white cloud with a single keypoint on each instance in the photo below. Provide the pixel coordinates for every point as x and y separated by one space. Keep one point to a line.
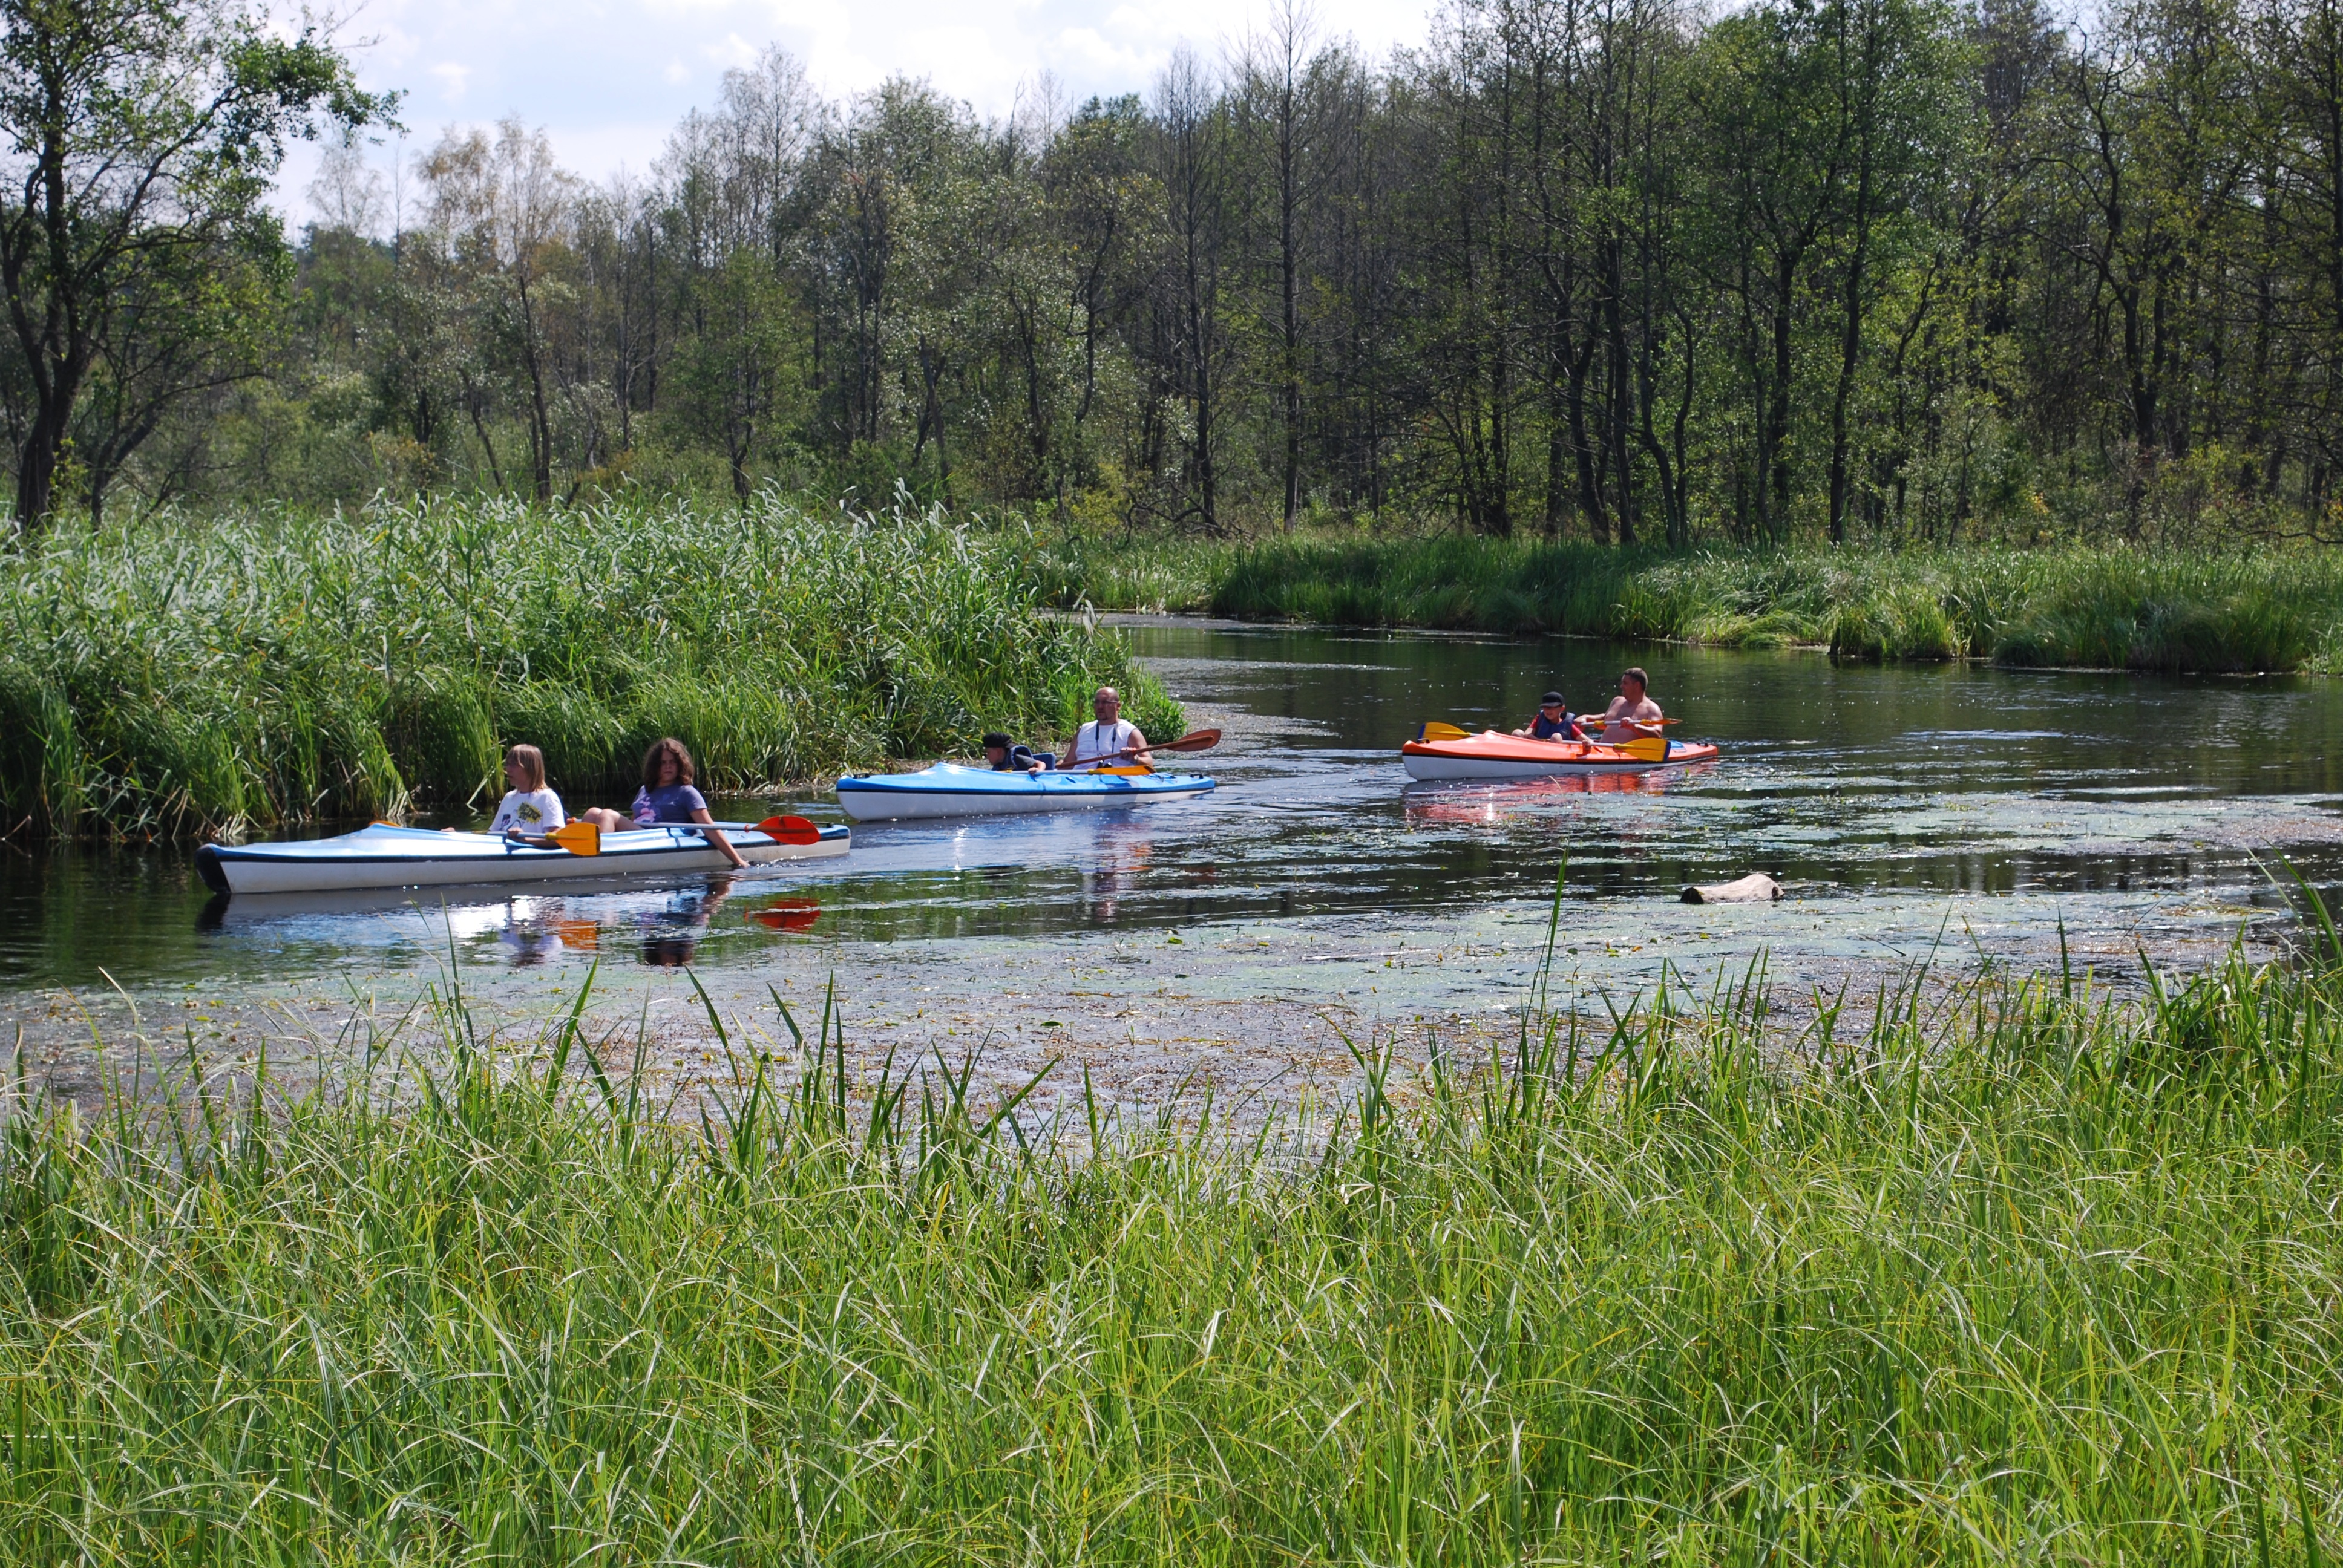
608 78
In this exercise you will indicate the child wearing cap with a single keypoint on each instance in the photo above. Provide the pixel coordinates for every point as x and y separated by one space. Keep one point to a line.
1004 756
1552 722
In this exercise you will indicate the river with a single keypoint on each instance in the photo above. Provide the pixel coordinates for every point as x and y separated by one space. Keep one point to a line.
1957 816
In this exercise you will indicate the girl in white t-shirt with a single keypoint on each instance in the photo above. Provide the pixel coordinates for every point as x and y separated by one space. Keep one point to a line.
529 810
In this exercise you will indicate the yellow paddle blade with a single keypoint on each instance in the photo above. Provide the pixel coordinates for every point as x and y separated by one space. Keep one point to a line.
1437 732
1128 769
578 837
1647 748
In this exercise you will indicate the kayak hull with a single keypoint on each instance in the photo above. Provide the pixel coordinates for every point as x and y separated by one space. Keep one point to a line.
1492 755
382 855
948 789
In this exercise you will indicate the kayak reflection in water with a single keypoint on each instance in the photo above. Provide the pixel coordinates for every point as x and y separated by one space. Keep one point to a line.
671 935
667 795
530 937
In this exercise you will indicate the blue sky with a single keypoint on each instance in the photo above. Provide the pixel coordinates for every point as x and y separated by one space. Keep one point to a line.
608 78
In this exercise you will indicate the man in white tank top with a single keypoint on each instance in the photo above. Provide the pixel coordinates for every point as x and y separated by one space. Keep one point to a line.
1106 741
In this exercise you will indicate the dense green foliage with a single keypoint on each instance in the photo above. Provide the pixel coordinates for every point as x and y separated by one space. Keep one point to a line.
2020 1276
1928 270
272 667
2104 608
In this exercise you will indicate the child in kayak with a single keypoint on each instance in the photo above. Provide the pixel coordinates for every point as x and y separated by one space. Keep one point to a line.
529 810
1004 755
1552 722
667 795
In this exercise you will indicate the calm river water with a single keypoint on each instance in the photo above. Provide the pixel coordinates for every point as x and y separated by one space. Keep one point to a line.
1971 813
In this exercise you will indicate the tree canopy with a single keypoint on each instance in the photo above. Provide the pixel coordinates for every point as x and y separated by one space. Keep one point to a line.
1614 269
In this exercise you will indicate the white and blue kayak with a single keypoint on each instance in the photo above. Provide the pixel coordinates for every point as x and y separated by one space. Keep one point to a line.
382 855
951 789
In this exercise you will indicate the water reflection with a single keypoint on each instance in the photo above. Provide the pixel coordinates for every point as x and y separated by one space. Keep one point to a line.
1845 781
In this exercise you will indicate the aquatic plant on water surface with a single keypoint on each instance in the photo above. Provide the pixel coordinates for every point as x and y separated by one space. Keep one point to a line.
192 674
2009 1272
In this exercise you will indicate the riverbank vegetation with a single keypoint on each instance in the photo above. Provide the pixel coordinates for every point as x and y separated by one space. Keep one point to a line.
274 666
1858 270
2102 607
2013 1273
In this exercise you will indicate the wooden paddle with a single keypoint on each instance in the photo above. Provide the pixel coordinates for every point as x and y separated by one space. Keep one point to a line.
1194 740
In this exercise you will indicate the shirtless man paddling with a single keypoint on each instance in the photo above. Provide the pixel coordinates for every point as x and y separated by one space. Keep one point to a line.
1631 713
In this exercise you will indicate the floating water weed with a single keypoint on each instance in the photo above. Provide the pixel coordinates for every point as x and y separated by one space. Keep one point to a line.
2013 1272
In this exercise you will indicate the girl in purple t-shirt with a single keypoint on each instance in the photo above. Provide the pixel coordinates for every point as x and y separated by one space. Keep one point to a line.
667 795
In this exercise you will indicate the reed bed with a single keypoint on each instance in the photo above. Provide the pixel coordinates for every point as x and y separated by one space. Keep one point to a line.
2107 608
2017 1274
198 675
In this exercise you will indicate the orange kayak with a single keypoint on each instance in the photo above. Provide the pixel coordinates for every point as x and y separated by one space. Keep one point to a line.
1493 754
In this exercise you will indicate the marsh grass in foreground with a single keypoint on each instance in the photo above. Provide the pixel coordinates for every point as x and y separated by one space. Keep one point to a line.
2022 1274
198 675
2099 607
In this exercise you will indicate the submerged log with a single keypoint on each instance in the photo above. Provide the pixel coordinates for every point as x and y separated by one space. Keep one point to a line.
1756 888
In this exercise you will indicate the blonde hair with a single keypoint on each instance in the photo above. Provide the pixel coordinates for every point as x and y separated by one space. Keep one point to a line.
532 765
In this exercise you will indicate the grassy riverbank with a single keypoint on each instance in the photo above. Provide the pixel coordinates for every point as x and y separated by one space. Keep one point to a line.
2024 1276
194 675
2097 607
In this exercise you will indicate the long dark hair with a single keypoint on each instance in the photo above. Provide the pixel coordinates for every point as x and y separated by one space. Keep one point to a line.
665 746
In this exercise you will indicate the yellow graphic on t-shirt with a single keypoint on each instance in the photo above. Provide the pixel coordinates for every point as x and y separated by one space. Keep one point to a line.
528 812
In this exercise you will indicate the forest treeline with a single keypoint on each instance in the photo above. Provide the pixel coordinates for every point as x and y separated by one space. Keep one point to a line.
1616 270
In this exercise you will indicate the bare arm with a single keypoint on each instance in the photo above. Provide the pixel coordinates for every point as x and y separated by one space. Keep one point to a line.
715 836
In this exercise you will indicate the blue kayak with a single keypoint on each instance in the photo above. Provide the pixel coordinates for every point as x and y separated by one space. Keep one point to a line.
949 790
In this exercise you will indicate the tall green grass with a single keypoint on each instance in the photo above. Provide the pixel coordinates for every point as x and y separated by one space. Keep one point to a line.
265 668
2016 1274
2118 608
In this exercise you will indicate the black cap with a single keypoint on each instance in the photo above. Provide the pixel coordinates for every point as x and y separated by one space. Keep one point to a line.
1551 699
996 739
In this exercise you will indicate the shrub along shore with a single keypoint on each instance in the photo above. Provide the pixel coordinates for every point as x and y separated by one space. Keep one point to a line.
2017 1274
202 675
2104 607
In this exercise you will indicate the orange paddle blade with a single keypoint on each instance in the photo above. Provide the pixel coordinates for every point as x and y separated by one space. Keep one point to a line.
1435 731
1194 740
578 837
789 830
788 915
